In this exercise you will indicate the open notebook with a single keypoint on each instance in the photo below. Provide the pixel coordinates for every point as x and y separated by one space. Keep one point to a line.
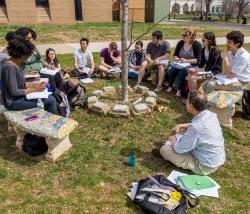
38 95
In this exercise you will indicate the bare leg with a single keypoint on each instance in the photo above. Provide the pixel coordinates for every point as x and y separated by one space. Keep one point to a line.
142 72
161 74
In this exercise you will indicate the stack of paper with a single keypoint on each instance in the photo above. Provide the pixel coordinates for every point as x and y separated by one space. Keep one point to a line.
222 79
133 190
38 95
181 65
34 75
163 62
211 192
49 72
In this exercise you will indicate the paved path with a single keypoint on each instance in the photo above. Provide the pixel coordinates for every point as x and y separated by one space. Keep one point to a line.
97 46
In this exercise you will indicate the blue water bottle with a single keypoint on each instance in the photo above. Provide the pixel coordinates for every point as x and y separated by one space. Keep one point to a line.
132 160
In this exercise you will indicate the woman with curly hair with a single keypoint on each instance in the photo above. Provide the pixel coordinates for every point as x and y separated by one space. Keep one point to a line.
14 87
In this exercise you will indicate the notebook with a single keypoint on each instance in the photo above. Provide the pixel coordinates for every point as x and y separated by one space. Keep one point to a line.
196 182
49 72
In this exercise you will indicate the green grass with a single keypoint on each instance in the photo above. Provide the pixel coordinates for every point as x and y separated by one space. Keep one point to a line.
93 176
102 31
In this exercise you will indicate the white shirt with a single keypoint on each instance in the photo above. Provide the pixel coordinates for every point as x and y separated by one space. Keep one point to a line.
83 59
240 63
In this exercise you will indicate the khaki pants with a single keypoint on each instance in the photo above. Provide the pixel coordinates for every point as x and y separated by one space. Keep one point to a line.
185 161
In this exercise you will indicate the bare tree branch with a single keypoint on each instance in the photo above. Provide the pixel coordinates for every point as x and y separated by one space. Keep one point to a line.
139 37
132 25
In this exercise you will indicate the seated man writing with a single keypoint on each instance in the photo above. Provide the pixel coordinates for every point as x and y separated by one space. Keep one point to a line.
110 61
84 61
201 147
157 50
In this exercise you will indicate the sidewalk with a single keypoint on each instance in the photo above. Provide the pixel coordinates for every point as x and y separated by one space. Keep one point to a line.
97 46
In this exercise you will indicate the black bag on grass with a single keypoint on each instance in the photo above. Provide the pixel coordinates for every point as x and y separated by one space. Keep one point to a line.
155 208
34 145
246 104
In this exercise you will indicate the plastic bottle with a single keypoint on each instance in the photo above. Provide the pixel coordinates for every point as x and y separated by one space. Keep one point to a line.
40 104
132 160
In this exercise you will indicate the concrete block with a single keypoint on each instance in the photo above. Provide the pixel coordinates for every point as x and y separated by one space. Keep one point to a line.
151 101
109 91
141 108
151 94
142 89
100 107
92 100
97 93
120 110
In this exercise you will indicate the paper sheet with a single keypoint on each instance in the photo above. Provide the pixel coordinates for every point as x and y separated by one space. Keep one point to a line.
87 81
183 65
38 95
222 79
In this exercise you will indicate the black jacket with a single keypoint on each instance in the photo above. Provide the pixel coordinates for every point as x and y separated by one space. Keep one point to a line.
214 62
197 47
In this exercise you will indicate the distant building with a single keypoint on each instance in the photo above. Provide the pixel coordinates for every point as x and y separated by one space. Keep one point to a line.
216 6
187 6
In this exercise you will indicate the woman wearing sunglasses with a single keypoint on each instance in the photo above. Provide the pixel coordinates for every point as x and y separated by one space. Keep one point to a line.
210 61
188 50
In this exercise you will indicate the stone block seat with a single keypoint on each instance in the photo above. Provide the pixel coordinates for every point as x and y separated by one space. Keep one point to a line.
223 104
55 129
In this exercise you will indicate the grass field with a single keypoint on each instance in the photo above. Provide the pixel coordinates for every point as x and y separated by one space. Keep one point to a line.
103 32
93 176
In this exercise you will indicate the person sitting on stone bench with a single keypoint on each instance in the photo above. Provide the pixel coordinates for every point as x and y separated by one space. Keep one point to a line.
137 63
158 49
14 88
210 61
201 147
236 64
110 60
84 61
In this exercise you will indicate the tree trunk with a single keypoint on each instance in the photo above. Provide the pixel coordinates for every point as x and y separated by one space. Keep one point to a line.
124 35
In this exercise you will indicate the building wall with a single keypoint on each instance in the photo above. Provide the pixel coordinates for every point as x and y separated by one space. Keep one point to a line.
21 11
162 8
62 13
138 8
97 10
3 15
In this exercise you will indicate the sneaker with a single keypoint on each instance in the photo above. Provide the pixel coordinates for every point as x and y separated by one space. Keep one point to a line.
178 94
169 90
158 89
137 85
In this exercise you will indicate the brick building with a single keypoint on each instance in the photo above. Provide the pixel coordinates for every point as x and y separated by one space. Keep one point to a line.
54 11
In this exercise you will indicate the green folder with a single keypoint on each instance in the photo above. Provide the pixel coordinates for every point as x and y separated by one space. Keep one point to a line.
196 182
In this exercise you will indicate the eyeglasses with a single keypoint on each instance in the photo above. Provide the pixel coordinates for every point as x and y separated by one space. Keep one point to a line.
184 35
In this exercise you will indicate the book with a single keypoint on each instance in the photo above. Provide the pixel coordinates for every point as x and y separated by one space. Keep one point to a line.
196 182
38 95
222 79
180 65
163 62
86 80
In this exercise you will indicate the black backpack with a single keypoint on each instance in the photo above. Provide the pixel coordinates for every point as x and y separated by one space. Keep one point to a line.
76 95
246 104
34 145
62 103
154 208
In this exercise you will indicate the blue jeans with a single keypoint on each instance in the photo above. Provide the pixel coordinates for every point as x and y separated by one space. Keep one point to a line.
172 73
23 104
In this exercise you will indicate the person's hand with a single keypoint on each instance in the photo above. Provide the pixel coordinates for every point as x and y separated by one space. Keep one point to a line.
230 75
156 61
224 54
40 87
192 70
175 130
176 58
183 60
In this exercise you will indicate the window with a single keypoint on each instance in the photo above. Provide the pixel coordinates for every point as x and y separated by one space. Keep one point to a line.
42 3
2 3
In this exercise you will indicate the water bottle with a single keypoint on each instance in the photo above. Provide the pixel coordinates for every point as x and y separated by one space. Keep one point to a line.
40 104
132 160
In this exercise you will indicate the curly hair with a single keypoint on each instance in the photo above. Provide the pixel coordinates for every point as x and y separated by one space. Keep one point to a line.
19 47
10 35
23 31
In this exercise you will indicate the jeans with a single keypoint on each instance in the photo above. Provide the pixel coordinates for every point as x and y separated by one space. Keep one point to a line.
23 104
172 73
75 73
55 81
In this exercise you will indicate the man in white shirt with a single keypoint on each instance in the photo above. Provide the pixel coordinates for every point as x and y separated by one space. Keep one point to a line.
236 64
84 62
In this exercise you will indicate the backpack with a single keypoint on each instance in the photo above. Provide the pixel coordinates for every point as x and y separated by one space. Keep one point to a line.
76 95
62 103
246 104
34 145
146 200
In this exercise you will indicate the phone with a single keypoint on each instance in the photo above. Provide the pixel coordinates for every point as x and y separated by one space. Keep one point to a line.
31 118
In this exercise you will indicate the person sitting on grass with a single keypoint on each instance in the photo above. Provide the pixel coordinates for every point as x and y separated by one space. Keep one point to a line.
110 60
201 147
14 87
137 62
188 50
84 61
51 58
157 50
210 61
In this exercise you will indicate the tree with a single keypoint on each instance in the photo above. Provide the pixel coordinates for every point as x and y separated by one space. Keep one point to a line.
207 3
228 7
242 5
124 37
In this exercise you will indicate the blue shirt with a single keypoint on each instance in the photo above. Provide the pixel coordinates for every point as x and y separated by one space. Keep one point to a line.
204 140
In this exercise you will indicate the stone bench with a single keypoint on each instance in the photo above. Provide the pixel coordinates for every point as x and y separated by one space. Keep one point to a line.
223 104
55 129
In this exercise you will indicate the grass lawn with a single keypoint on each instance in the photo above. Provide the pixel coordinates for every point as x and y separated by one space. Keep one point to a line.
102 31
93 176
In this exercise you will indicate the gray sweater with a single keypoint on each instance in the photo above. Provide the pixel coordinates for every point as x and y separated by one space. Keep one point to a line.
13 84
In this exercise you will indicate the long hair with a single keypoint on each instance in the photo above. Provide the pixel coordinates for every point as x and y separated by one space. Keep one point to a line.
210 36
56 62
191 32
